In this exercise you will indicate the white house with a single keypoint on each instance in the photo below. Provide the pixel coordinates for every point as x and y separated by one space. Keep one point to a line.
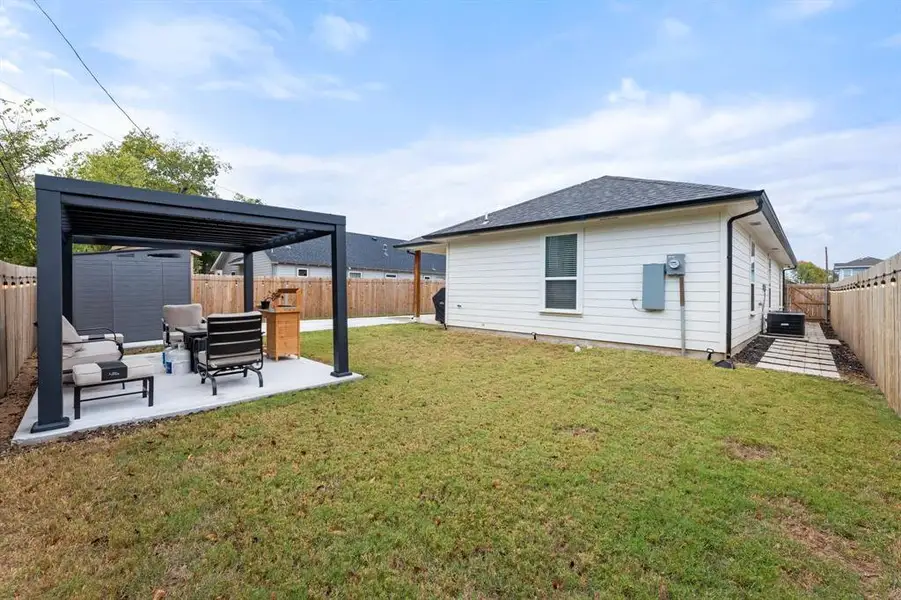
571 264
368 257
854 267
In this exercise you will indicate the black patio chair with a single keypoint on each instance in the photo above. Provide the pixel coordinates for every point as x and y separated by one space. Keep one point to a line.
234 344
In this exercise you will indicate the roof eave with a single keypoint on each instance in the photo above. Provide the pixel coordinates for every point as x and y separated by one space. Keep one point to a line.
748 195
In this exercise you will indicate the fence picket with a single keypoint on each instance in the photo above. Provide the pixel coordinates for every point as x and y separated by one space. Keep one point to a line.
867 315
18 312
365 297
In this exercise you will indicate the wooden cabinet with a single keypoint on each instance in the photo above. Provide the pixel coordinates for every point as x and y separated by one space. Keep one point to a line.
282 332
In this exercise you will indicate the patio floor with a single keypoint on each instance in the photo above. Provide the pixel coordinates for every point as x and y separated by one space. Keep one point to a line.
809 355
177 395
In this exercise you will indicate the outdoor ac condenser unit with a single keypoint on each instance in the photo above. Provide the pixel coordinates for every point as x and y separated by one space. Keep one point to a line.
785 323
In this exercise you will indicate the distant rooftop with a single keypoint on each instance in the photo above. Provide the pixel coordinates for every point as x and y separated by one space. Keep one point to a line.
866 261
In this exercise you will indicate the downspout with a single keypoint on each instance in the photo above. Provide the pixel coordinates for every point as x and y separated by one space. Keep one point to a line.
727 363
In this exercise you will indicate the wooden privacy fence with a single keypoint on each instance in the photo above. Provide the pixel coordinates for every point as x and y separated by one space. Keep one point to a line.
18 312
866 313
365 297
808 298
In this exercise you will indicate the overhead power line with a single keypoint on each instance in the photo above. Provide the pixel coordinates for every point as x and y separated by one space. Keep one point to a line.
97 81
86 67
9 176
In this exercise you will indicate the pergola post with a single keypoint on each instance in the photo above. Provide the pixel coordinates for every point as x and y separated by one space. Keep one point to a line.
339 302
50 250
248 281
417 283
66 262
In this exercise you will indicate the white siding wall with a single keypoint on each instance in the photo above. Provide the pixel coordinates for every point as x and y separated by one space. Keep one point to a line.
262 266
495 281
746 324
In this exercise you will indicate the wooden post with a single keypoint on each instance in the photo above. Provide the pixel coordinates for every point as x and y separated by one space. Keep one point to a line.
417 282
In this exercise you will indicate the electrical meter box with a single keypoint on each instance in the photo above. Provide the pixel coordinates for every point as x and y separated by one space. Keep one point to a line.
675 264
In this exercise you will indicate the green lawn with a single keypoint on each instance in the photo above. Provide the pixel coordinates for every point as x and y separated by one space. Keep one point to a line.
478 466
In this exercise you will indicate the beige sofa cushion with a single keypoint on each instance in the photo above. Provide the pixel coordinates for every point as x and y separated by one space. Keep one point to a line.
182 315
229 361
92 352
89 374
70 336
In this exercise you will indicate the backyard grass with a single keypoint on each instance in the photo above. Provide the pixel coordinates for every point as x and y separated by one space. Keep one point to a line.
478 466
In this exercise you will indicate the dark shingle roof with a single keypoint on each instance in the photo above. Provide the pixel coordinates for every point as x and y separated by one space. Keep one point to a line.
363 252
866 261
608 194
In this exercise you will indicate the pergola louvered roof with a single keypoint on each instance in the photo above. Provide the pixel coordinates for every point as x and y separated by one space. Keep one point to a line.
99 213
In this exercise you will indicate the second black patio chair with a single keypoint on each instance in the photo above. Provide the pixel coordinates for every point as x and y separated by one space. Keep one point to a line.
234 344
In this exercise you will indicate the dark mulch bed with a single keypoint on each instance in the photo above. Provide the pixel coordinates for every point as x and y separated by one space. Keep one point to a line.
828 331
753 352
848 364
845 360
14 403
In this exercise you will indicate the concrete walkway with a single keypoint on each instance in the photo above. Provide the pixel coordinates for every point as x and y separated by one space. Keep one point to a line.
809 355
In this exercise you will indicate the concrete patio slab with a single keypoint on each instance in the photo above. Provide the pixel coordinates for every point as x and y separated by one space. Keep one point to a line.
178 395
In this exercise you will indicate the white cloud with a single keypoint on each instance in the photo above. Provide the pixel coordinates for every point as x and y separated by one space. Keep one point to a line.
673 41
814 178
216 54
860 217
338 34
674 29
10 30
801 9
893 41
60 72
628 91
8 67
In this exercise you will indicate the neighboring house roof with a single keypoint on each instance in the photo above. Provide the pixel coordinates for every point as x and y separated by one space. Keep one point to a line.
608 195
368 252
866 261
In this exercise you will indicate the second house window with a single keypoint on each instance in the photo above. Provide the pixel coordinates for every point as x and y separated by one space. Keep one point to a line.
301 272
561 272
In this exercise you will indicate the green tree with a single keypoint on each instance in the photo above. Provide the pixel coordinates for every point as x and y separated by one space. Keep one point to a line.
807 272
143 159
26 144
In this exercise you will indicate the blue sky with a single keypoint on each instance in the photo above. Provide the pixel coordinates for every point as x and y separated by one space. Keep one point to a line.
409 116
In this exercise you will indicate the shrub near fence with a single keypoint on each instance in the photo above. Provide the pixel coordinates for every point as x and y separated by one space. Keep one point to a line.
365 297
18 312
866 313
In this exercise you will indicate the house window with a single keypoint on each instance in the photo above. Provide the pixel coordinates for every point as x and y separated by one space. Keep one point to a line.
302 272
561 272
753 274
355 275
391 275
426 277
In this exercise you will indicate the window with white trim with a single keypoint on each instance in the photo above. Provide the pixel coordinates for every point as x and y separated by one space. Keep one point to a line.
355 275
426 277
391 275
561 272
753 273
302 272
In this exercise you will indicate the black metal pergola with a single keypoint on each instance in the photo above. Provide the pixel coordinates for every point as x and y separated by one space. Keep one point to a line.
74 211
